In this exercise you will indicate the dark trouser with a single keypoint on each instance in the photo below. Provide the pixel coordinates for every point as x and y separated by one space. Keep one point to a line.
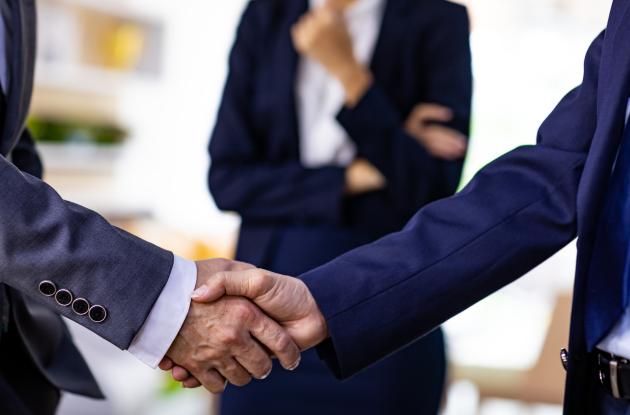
607 405
23 389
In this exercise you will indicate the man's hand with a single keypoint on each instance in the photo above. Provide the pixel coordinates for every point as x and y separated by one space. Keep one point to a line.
285 299
322 35
227 339
441 142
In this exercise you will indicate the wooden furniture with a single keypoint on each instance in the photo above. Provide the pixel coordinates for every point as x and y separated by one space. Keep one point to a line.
542 383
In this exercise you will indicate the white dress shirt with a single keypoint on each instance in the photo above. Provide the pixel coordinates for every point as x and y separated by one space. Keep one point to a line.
617 341
167 315
319 96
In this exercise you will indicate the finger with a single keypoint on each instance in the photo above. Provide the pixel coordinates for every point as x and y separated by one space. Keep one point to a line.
278 341
447 151
447 135
212 380
180 374
166 364
191 383
432 112
255 360
233 372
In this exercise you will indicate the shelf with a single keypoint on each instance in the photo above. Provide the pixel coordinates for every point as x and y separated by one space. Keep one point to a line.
87 79
126 9
79 158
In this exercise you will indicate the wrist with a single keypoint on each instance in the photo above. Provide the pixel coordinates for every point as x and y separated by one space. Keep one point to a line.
356 79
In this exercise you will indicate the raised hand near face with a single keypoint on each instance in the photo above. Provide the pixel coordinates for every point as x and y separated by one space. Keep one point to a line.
322 35
227 340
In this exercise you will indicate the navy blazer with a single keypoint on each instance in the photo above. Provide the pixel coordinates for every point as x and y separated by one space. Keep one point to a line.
43 237
422 55
514 214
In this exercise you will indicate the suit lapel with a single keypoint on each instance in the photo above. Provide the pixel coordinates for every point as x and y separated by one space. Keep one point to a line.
389 38
613 92
22 69
286 73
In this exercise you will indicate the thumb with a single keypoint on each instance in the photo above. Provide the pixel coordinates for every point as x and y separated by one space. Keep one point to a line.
250 283
210 291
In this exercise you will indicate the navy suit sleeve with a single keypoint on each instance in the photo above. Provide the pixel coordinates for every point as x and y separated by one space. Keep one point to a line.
240 178
43 237
25 156
514 214
414 176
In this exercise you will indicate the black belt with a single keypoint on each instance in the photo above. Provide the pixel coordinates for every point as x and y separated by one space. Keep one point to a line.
614 374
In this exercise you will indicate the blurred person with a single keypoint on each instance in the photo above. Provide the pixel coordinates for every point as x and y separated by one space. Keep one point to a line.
515 213
58 258
321 146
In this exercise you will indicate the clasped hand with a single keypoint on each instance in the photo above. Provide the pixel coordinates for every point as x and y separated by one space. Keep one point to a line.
240 318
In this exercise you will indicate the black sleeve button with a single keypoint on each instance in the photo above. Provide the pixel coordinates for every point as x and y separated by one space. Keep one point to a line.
80 306
98 314
63 297
47 288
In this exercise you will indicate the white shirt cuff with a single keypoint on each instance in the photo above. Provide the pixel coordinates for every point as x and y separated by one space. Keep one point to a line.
167 316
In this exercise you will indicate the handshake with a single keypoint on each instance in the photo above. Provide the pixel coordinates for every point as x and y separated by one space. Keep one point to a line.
239 319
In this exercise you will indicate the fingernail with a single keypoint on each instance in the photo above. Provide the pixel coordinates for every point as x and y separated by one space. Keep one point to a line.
200 292
266 375
296 364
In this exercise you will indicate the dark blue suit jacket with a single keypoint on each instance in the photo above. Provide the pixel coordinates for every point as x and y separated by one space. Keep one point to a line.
515 213
422 55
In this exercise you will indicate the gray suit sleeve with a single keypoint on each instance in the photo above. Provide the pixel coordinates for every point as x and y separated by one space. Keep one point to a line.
43 237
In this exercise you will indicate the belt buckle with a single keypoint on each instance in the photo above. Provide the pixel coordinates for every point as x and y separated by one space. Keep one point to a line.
613 367
613 372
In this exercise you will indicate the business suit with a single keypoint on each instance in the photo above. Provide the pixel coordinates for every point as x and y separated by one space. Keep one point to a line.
296 218
44 240
404 285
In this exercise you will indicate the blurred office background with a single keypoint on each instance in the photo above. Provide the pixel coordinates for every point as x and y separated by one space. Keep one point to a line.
125 98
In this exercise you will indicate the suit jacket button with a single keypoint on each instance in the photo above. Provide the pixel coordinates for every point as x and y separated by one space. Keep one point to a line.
47 288
98 313
64 297
80 306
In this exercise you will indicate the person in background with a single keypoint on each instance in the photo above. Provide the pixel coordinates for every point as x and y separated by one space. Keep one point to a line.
336 113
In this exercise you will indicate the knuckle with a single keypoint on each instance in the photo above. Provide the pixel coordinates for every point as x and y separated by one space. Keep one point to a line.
259 280
228 336
222 262
283 342
242 311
